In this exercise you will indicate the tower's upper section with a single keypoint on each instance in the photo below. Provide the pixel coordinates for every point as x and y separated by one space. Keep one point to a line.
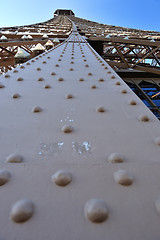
63 12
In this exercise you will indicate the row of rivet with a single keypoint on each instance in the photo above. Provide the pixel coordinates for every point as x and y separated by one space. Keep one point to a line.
95 209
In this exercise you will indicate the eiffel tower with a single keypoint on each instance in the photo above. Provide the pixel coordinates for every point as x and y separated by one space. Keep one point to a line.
80 150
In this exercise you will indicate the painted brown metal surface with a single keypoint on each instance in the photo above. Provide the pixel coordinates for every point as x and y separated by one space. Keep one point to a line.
79 151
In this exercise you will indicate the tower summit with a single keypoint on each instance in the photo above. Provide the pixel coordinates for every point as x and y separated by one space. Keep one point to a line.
64 12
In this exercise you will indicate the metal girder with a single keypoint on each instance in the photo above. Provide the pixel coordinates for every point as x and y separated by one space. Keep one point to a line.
79 151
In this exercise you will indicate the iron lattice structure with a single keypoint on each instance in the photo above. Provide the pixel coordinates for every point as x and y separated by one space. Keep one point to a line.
123 48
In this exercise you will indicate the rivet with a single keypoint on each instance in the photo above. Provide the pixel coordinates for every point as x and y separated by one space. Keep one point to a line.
72 62
143 118
72 57
109 72
118 83
103 64
38 58
83 55
4 176
62 178
157 141
132 102
85 60
113 77
101 109
28 63
59 60
105 67
124 91
93 87
60 79
67 129
57 65
16 95
61 55
89 74
36 109
44 62
123 178
15 71
116 158
81 80
53 73
1 85
22 66
14 158
101 80
69 96
21 211
48 57
47 86
38 69
96 210
157 204
40 79
7 76
100 61
20 79
71 69
86 65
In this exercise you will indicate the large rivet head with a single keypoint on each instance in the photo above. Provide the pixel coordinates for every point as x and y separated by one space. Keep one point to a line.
14 158
96 210
69 96
67 129
157 141
20 79
118 83
101 109
36 109
16 95
53 73
47 86
7 76
4 176
1 85
143 118
124 91
22 211
81 80
101 80
116 158
40 79
132 102
93 87
60 79
62 178
122 177
157 204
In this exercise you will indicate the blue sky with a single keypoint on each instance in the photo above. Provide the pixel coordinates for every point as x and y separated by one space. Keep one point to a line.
141 14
